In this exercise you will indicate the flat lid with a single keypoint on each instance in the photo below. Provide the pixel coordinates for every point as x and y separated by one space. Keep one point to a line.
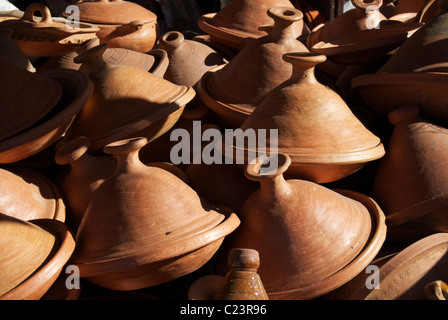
113 12
25 97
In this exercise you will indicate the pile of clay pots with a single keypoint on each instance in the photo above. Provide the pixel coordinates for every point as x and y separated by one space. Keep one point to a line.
348 173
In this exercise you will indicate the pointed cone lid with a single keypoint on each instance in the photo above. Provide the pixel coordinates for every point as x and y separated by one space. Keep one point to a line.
411 179
24 247
143 214
425 51
26 97
125 100
296 110
258 68
304 232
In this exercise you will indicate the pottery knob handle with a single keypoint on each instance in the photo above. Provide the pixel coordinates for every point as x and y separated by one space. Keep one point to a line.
436 290
93 57
404 114
267 167
72 150
125 146
39 7
365 4
171 40
285 14
243 258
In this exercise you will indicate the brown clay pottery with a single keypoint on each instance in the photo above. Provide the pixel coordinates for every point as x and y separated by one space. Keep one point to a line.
205 287
44 37
240 21
83 176
311 239
17 115
126 102
322 148
410 183
144 226
27 194
415 74
10 51
122 24
360 35
235 89
33 254
406 274
77 89
436 290
242 281
188 59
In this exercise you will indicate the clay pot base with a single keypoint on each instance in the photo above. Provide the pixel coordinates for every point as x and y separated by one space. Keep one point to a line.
35 286
385 92
161 264
77 89
232 113
357 265
406 274
366 45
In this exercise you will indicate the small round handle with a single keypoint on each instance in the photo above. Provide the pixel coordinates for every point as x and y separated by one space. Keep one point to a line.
364 4
171 40
285 14
257 170
72 150
243 258
39 7
310 59
125 146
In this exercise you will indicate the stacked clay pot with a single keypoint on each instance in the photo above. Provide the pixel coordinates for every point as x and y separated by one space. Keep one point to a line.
235 89
144 226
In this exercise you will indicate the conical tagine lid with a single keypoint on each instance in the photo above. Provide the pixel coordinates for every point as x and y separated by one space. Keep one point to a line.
241 20
305 233
235 89
24 247
425 51
143 214
26 97
315 126
126 100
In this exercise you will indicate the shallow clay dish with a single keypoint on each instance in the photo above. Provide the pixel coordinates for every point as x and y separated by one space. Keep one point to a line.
40 281
45 37
77 89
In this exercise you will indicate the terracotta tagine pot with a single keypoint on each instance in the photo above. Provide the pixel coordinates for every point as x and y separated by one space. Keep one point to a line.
83 176
322 149
235 89
311 239
188 59
11 52
410 181
360 35
16 115
45 37
122 24
27 194
242 282
126 101
240 21
31 262
406 274
415 74
76 91
419 10
137 232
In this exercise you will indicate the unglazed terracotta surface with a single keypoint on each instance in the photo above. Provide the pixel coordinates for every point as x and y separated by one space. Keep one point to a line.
240 21
322 149
137 232
311 238
234 90
122 24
